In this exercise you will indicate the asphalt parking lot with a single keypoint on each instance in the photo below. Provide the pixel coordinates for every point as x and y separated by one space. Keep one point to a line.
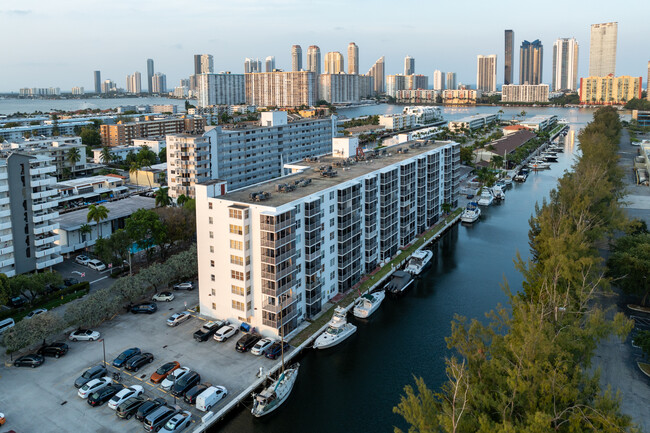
71 269
49 389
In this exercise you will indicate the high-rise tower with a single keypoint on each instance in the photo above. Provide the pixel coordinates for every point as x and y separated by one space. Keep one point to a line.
377 72
203 64
150 75
296 58
313 59
486 73
98 81
409 65
334 63
353 58
602 49
565 64
509 59
438 80
530 62
269 64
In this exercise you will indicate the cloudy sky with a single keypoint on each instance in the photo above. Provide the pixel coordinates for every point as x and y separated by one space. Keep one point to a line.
60 43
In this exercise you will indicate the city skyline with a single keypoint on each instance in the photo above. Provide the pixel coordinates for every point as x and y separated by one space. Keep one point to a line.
376 36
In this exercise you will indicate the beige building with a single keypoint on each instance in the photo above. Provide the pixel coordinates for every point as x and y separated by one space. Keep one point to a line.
610 89
395 83
524 93
339 88
188 163
602 49
313 59
154 176
281 89
647 86
486 73
378 73
296 58
353 58
460 96
334 63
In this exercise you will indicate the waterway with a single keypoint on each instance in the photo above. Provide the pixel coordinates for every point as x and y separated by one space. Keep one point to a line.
9 106
354 387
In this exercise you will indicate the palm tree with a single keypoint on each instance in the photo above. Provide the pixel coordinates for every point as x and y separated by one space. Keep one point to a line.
84 230
73 157
162 197
446 208
97 214
133 169
105 155
182 199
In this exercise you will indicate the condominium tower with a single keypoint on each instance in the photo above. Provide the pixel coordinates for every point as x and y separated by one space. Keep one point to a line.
203 64
377 72
133 83
509 59
409 65
451 80
221 89
251 66
150 72
602 49
486 73
531 56
313 59
296 58
281 89
438 80
98 81
565 64
334 63
269 64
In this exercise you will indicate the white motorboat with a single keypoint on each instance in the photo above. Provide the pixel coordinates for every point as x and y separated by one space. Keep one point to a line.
498 193
367 304
419 260
507 180
338 330
486 198
549 157
471 214
538 164
521 176
276 393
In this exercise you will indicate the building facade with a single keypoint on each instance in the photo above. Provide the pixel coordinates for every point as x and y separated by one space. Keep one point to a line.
203 64
524 93
334 63
122 134
471 123
410 117
565 65
221 89
353 58
281 89
252 65
97 75
438 80
419 96
610 89
395 83
486 73
451 80
269 64
134 83
378 74
296 58
314 59
150 72
602 49
339 88
460 96
531 57
509 58
159 83
409 65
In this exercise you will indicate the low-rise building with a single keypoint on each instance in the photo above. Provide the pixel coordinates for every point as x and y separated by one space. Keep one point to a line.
609 90
504 146
155 144
460 96
417 96
164 108
471 123
123 134
540 122
153 176
117 153
410 117
87 190
642 117
524 93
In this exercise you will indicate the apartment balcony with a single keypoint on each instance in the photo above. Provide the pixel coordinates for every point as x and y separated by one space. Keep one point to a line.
43 252
275 308
7 237
6 225
44 206
313 285
277 259
5 213
36 171
287 316
46 239
7 262
44 194
312 256
4 187
277 243
278 226
45 217
47 263
4 201
312 227
279 274
43 182
45 228
6 250
279 290
4 175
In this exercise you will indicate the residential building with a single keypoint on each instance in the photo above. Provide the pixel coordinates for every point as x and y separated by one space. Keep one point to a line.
334 63
292 244
602 49
503 146
117 153
378 74
438 80
524 93
531 55
221 89
159 83
339 88
123 134
77 91
281 89
269 64
409 65
610 89
419 96
150 72
246 154
155 144
296 58
486 73
153 176
313 59
451 80
203 64
252 66
164 108
540 122
46 129
353 58
471 123
133 83
647 83
565 65
80 192
108 86
366 86
509 59
7 260
97 75
410 117
642 117
395 83
460 96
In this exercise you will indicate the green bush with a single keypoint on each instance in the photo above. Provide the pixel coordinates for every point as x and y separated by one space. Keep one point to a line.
32 331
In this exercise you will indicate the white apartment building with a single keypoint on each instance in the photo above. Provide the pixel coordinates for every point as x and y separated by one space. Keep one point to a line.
272 254
539 122
339 88
524 93
45 129
410 117
244 155
438 80
77 192
220 89
7 260
473 122
486 73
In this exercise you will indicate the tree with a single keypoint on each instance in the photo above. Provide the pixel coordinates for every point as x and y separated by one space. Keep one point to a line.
496 161
642 339
146 230
182 199
466 155
162 155
90 136
162 197
28 332
629 265
134 168
84 231
106 156
446 208
97 214
5 290
73 156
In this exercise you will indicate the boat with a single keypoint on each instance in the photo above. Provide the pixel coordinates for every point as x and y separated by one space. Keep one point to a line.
276 393
507 180
538 164
549 157
419 260
471 214
486 198
498 193
367 304
399 283
521 176
338 330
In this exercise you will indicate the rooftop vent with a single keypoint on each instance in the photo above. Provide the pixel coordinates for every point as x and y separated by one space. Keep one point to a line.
260 196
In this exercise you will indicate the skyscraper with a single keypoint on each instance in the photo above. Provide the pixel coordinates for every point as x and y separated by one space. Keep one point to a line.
313 59
251 65
486 73
159 83
530 62
334 63
150 75
353 58
438 80
203 64
509 57
377 72
602 49
98 81
269 64
134 83
451 81
296 58
565 64
647 85
409 65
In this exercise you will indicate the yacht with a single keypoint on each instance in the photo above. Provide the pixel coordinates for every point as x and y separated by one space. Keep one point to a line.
538 164
521 176
471 213
498 193
276 393
486 198
367 304
549 156
338 330
507 180
399 282
419 260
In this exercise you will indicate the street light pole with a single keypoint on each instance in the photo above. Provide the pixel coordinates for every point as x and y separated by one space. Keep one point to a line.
104 350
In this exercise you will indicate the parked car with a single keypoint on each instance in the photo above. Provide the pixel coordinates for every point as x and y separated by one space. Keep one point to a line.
6 324
124 395
147 407
55 350
36 312
163 297
125 356
70 282
164 371
225 332
128 408
188 285
84 335
17 302
183 384
145 308
93 386
2 419
208 329
177 423
276 350
262 345
136 362
172 378
192 393
178 318
158 418
100 397
246 342
82 260
210 397
96 265
90 374
32 360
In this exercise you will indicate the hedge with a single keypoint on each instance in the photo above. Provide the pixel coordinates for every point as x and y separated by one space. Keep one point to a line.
44 299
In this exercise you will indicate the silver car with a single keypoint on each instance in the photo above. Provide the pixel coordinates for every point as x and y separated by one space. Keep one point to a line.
177 423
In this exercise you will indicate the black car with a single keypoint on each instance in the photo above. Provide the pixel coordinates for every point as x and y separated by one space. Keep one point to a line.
128 408
276 350
187 381
134 363
100 397
55 350
190 396
32 360
125 356
90 374
70 282
208 330
247 342
148 407
17 302
145 307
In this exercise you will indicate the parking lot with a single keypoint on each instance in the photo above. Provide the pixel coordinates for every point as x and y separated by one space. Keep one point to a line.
44 399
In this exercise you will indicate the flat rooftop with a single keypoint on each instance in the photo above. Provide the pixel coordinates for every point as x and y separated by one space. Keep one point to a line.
116 209
88 180
320 183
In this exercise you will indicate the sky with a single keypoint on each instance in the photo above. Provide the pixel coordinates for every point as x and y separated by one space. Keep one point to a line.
60 43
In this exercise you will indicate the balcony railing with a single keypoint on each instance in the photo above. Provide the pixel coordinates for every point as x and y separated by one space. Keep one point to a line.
275 308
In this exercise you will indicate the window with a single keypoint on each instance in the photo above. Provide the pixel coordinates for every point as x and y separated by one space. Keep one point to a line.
237 275
212 263
332 275
237 290
246 230
248 306
234 213
332 249
210 205
248 260
234 229
236 260
331 208
237 305
214 306
211 235
211 249
248 245
248 275
236 245
210 220
331 195
213 292
331 222
331 236
212 278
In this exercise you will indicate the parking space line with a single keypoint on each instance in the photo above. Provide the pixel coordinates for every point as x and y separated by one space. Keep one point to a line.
102 278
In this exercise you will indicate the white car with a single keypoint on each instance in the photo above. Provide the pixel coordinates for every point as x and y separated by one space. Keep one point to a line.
177 423
225 333
188 285
124 395
163 297
93 385
82 260
178 318
36 312
96 265
176 374
261 346
84 335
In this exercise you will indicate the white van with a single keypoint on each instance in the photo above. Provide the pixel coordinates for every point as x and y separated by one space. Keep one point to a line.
211 396
6 324
96 265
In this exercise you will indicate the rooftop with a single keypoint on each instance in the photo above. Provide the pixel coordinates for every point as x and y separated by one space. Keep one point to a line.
507 144
116 209
88 180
